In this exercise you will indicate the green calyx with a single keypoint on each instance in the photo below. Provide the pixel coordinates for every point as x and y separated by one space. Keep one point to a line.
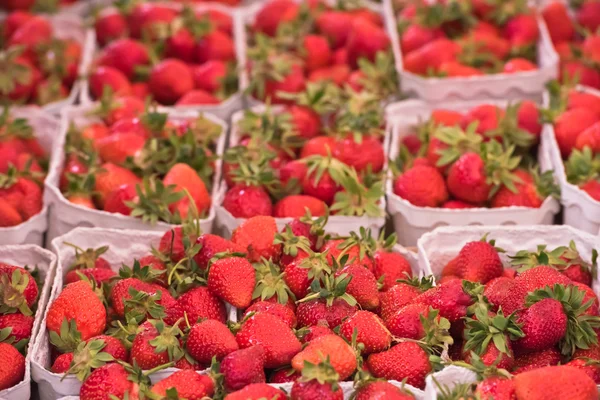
330 288
458 142
437 337
68 338
125 331
508 129
360 115
153 201
582 166
580 326
7 337
145 273
12 289
458 391
380 76
12 73
525 259
87 357
358 199
270 282
85 258
323 372
142 304
425 283
487 328
499 166
322 97
365 242
167 340
291 244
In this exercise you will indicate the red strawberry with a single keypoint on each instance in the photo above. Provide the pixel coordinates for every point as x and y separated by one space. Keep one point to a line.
588 15
257 391
295 206
34 32
215 45
111 178
416 36
518 65
449 298
117 148
584 74
422 186
285 313
210 75
98 275
12 366
208 339
529 118
273 13
102 77
109 25
522 30
124 55
590 137
169 80
577 99
148 20
306 121
365 40
362 286
539 359
243 367
188 384
197 97
560 382
336 25
317 53
212 245
109 380
381 390
340 354
121 293
320 145
457 205
186 178
312 312
397 297
496 388
367 153
244 201
337 74
14 21
559 23
19 324
569 125
406 360
152 335
318 380
77 302
389 267
276 338
479 262
232 280
257 235
370 329
467 179
431 55
199 303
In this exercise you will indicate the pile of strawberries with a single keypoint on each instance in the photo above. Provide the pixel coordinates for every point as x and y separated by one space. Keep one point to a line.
177 55
576 41
292 43
540 311
482 158
575 116
286 160
457 38
18 302
140 162
36 66
23 165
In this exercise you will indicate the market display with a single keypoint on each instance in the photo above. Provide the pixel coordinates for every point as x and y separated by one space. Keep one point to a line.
299 199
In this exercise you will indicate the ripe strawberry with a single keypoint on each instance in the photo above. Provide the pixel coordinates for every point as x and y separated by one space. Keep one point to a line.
123 107
210 75
210 245
107 77
406 321
208 339
148 20
98 275
467 179
406 360
283 311
77 302
110 379
188 384
292 82
587 16
340 354
577 99
496 388
14 21
518 65
367 153
319 380
590 137
538 359
111 178
244 201
362 286
370 329
317 53
590 367
62 364
121 293
416 36
20 326
295 206
109 25
232 280
34 32
529 118
586 75
243 367
284 375
431 55
320 145
197 97
397 297
147 346
314 311
215 45
455 69
337 74
257 391
175 242
12 367
200 303
544 324
273 13
365 39
181 45
276 338
560 382
185 177
389 267
381 390
497 289
479 262
422 186
118 147
257 235
559 23
9 216
522 30
457 205
449 298
124 55
169 80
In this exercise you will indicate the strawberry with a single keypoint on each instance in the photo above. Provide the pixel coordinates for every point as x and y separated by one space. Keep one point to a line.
295 206
215 45
110 178
455 69
169 80
34 32
584 74
371 331
274 13
360 155
79 303
232 280
210 245
123 107
197 97
529 118
124 55
319 380
285 313
397 297
306 120
12 368
449 298
495 387
431 55
244 201
109 25
559 23
117 148
538 359
317 53
422 186
122 298
381 390
276 338
257 391
569 125
20 326
518 65
362 286
590 367
340 354
208 339
389 267
200 303
587 16
155 344
589 138
116 201
98 275
175 242
188 384
406 321
467 179
416 36
522 30
320 145
9 216
560 382
337 74
406 360
186 178
210 75
577 99
479 262
256 235
110 379
284 375
108 77
365 40
14 21
149 20
243 367
336 26
218 18
457 205
62 364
